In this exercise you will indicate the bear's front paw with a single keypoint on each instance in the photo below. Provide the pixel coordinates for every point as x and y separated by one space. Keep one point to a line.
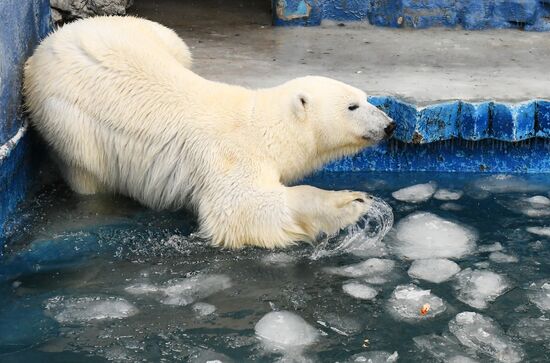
350 206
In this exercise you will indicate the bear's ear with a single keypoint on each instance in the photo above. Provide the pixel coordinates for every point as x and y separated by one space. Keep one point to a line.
300 103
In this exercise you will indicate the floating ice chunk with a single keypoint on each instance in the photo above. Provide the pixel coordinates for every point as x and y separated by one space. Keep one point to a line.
362 238
415 193
500 257
535 212
491 248
278 259
83 309
478 288
538 201
183 291
369 268
539 294
447 194
406 302
433 270
285 331
541 231
344 325
442 348
376 356
209 356
506 184
453 207
533 330
483 335
359 290
482 264
203 309
424 235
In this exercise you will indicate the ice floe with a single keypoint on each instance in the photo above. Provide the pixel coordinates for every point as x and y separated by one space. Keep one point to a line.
373 267
533 330
203 309
443 348
407 301
540 231
183 291
84 309
539 294
478 288
447 194
359 290
506 184
500 257
434 270
285 331
453 207
415 193
376 356
425 235
279 259
491 248
483 335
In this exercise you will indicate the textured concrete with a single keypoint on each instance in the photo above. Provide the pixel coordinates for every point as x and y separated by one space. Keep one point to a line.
232 41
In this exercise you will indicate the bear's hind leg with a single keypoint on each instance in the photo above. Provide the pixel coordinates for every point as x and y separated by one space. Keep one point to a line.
82 181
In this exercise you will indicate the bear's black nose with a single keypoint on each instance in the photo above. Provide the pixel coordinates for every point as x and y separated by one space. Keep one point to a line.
390 129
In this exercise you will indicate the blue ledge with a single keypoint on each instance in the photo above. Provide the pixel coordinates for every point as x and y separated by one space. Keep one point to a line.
532 15
22 25
467 121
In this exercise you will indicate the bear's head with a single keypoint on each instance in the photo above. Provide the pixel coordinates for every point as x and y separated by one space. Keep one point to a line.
339 116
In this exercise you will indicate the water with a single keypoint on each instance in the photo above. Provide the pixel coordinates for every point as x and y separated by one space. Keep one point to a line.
98 279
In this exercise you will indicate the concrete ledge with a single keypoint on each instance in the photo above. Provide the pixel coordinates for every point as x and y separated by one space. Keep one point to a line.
531 15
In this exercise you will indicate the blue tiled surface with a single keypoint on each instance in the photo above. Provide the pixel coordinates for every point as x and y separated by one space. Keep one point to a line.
22 25
471 14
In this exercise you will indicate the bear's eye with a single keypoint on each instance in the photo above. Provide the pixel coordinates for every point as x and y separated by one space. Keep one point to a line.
353 107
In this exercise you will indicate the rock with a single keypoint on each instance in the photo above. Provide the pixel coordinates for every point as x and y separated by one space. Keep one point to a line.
67 10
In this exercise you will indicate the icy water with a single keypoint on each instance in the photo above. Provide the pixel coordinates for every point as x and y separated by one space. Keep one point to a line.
463 276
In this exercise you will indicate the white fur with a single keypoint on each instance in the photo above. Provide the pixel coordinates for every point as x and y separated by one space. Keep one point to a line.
114 98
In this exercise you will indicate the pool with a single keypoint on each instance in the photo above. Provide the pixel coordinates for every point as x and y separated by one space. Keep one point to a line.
100 278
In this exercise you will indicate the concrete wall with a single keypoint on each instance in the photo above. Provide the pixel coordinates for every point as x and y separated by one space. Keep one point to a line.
22 24
470 14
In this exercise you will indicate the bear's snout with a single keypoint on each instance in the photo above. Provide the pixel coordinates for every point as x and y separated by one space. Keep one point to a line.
390 129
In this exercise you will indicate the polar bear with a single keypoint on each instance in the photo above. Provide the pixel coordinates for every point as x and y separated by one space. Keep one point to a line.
115 99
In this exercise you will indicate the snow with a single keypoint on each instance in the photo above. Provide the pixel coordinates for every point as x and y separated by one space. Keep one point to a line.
407 300
505 184
203 309
540 231
359 290
434 270
478 288
84 309
500 257
183 291
415 193
483 335
285 331
373 267
447 194
443 348
539 294
376 356
424 235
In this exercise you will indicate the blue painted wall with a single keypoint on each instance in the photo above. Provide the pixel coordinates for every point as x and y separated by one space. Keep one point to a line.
470 14
22 24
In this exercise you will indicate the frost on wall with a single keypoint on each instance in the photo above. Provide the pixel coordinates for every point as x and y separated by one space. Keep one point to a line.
67 10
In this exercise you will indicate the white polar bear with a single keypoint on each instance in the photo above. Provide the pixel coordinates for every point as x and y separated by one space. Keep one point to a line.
114 98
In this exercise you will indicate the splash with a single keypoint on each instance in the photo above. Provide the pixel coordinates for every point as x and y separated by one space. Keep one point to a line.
363 238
